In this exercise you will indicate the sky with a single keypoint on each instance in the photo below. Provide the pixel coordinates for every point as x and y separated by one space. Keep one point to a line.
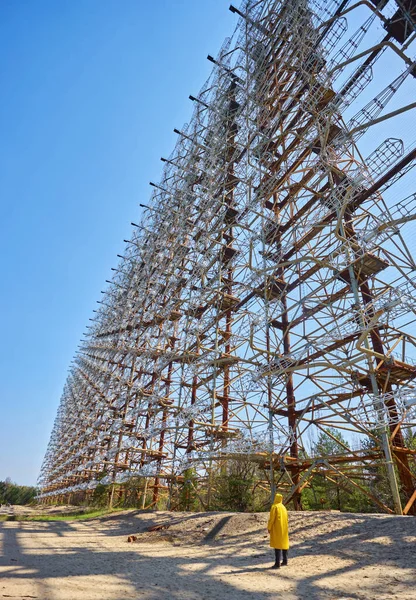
91 93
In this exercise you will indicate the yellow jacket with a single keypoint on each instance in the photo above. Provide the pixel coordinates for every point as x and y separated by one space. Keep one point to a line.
278 525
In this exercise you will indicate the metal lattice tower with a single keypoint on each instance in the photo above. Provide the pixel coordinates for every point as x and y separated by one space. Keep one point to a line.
269 290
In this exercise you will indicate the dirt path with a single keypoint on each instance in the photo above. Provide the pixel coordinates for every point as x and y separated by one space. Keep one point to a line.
209 556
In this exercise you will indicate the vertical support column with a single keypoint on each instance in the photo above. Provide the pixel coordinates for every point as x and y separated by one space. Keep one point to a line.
375 386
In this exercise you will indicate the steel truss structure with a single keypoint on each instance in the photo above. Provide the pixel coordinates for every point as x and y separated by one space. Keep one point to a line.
268 292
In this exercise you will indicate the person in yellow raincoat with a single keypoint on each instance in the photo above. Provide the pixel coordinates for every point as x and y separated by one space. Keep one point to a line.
278 528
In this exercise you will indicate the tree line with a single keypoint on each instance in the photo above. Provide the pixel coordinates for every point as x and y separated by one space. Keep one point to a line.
241 485
11 493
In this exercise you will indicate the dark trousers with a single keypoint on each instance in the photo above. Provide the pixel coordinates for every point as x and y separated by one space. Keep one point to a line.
277 556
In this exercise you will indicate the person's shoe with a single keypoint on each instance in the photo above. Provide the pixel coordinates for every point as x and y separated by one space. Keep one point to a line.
284 563
276 566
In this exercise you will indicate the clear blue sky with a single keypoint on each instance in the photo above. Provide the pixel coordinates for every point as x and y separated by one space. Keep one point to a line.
91 92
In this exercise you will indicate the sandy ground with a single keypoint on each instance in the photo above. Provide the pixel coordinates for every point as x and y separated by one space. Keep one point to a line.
209 556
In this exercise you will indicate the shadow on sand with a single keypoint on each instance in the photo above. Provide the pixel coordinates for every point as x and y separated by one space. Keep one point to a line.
155 578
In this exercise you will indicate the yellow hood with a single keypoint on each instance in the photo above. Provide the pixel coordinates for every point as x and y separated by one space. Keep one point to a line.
278 498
